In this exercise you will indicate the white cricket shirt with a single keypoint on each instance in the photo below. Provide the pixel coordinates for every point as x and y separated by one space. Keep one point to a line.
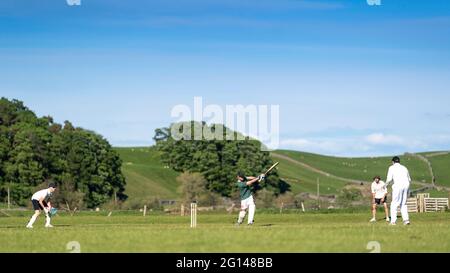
400 175
41 194
379 189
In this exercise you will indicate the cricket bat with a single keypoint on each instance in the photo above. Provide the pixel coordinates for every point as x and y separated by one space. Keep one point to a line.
271 168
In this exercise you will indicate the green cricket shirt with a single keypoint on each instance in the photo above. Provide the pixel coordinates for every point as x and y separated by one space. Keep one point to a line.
245 191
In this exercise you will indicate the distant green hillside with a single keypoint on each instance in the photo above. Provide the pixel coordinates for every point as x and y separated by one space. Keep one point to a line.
441 167
363 169
145 174
304 180
147 177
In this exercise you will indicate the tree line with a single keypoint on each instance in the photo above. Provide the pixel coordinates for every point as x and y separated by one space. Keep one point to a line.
36 150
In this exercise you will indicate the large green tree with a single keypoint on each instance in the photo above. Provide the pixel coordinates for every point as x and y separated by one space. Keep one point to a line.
217 160
36 150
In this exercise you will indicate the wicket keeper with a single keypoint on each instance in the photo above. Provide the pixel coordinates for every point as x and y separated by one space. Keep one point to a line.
379 197
247 202
41 202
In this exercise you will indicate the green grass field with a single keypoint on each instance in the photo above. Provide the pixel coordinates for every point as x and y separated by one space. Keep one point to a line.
273 233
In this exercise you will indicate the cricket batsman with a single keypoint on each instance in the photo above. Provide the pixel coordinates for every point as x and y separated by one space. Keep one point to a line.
247 202
40 201
399 174
379 197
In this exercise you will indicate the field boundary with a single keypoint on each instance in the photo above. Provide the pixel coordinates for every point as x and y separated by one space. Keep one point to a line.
435 204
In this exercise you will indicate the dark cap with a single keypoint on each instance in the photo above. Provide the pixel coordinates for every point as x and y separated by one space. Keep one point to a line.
52 185
241 174
396 159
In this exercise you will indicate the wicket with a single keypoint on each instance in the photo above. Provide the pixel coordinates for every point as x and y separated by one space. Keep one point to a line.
193 215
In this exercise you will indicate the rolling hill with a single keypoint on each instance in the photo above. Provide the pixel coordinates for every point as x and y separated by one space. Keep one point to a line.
147 177
362 169
440 161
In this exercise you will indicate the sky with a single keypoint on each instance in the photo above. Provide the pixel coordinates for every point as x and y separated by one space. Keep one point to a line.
350 79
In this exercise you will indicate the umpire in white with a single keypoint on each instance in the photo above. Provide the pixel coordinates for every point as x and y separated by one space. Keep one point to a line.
399 174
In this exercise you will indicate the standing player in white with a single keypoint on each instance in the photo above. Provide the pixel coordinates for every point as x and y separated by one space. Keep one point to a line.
245 192
399 174
379 197
40 201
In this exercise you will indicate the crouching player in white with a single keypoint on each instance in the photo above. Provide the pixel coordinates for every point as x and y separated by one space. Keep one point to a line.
399 174
40 201
379 195
247 202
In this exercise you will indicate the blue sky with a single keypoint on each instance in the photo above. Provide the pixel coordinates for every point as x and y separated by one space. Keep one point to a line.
351 79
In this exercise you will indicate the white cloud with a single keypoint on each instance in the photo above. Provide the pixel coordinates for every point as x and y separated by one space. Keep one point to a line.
410 143
300 142
328 146
376 144
382 139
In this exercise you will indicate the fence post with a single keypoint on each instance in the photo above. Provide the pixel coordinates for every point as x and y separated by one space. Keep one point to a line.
9 200
421 203
145 210
318 193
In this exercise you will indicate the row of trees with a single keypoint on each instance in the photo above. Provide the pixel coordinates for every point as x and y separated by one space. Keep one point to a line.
35 151
218 161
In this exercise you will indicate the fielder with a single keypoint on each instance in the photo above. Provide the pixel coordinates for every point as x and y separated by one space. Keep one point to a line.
247 202
379 197
399 174
40 201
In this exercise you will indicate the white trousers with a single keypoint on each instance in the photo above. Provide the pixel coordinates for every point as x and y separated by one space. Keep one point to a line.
249 204
399 198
